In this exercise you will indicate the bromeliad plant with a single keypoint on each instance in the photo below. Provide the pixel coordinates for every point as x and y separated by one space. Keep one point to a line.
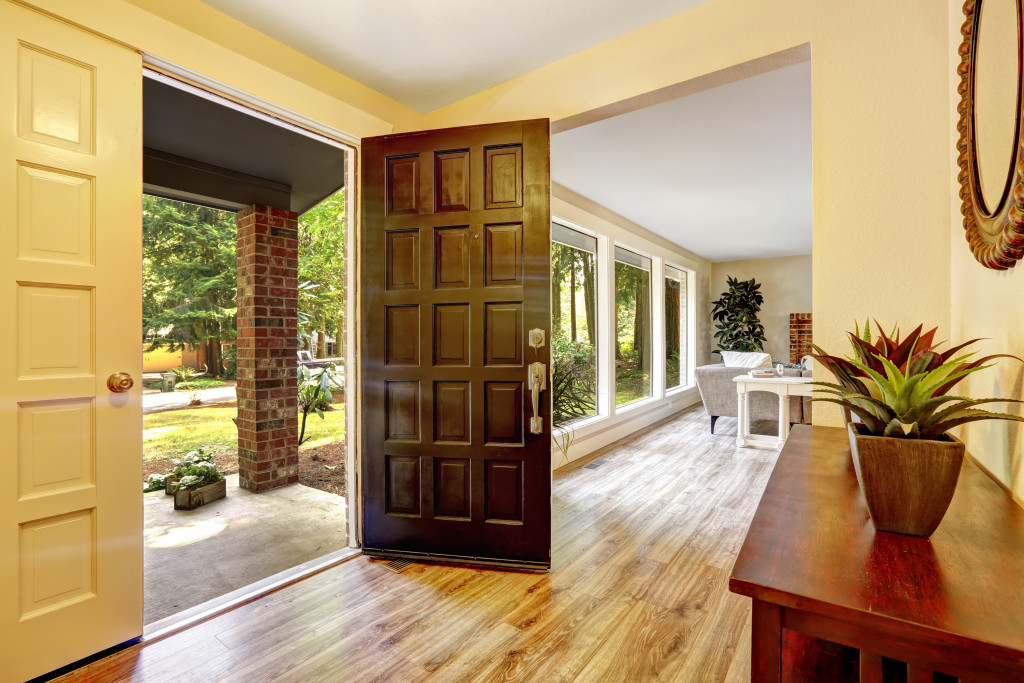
900 387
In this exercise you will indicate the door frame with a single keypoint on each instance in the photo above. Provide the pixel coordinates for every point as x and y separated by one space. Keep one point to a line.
278 115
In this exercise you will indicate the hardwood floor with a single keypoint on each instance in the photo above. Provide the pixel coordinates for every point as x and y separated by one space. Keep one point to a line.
643 545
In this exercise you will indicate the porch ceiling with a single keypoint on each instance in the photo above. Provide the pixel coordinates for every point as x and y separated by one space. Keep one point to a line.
207 150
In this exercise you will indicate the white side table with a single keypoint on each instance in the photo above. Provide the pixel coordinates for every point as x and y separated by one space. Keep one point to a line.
783 387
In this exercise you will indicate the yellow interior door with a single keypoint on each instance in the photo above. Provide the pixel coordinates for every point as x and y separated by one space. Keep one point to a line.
70 306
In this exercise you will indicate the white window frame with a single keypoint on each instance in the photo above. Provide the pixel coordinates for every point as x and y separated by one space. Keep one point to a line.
605 307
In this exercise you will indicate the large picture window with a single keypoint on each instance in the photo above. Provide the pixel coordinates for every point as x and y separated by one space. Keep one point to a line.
632 327
573 325
675 327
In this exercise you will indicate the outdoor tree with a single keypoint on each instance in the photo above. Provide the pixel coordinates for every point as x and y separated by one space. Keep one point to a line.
322 266
189 277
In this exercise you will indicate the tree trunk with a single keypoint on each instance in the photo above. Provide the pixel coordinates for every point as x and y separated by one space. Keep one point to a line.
556 294
213 358
572 299
671 317
321 342
642 324
589 296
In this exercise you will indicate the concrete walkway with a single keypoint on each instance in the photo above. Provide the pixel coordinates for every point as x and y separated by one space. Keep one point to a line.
192 556
154 400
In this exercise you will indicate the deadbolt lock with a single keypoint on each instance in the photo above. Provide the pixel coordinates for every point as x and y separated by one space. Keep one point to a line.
536 339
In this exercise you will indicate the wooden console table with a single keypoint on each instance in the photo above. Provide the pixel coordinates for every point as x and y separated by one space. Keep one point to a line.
783 387
833 600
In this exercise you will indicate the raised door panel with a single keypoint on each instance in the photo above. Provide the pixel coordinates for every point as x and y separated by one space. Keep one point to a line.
451 257
56 446
504 255
451 334
56 215
503 333
452 412
403 259
452 493
71 267
403 185
451 180
503 184
56 99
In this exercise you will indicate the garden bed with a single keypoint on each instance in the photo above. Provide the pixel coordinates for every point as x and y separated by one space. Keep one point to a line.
170 434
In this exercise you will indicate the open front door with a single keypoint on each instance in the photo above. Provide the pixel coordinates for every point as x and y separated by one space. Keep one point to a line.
71 306
455 276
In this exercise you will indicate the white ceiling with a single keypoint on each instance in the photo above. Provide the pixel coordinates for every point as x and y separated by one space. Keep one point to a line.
725 173
430 53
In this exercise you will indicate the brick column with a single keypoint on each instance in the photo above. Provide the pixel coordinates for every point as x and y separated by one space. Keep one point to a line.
799 336
268 452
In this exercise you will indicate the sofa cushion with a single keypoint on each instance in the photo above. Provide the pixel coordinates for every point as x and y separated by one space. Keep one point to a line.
746 359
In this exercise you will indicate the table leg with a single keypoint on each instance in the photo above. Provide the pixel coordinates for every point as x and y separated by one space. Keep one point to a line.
783 419
870 667
742 429
765 643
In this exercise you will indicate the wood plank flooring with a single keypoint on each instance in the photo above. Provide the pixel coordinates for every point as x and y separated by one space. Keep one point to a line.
643 545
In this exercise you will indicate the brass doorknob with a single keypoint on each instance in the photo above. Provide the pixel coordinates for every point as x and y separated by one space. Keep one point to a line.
120 382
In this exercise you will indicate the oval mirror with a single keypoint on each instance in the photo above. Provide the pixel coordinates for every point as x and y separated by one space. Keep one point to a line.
995 98
989 148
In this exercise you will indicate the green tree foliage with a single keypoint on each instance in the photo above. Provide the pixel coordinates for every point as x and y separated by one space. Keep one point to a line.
573 332
735 316
322 265
632 333
189 285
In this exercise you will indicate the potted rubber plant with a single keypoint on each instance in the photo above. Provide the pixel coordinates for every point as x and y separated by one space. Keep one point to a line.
907 463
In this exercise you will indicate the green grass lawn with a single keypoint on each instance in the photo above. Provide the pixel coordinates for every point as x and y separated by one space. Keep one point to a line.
173 433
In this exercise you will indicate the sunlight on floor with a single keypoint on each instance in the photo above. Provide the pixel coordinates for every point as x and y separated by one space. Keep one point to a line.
176 536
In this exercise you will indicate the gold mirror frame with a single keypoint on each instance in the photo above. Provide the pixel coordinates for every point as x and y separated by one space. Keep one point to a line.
996 236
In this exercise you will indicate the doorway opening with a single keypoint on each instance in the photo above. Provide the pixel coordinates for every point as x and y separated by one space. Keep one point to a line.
244 253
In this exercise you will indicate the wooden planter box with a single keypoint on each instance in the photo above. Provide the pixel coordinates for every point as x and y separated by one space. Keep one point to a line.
169 483
190 500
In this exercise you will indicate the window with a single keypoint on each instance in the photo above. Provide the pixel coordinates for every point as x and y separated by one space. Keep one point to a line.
632 327
675 327
573 325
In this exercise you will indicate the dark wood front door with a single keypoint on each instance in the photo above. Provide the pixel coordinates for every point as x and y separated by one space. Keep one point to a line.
455 272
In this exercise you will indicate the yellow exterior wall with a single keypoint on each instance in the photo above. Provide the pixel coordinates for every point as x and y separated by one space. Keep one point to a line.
197 37
985 303
159 360
880 124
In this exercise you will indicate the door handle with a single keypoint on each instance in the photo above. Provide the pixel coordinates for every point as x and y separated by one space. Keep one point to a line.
120 382
538 379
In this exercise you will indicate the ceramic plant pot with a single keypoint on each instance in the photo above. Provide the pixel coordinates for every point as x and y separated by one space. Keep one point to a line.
907 483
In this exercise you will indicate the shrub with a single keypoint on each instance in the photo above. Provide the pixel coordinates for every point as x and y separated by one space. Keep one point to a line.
573 380
155 482
184 373
315 391
195 470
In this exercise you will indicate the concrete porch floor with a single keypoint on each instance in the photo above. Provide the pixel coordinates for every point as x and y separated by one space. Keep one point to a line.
192 556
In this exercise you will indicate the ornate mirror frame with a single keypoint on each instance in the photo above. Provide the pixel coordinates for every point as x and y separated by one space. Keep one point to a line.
995 236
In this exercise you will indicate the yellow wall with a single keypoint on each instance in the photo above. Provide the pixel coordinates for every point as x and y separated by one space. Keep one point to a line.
986 303
880 125
197 37
786 286
159 360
